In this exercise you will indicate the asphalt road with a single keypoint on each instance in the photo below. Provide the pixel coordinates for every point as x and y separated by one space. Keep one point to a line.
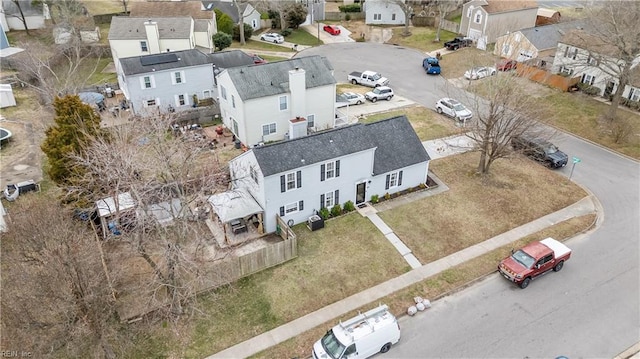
590 309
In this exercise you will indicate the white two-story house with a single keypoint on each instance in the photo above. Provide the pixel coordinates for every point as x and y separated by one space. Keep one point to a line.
294 179
485 20
596 63
278 100
166 82
204 21
139 36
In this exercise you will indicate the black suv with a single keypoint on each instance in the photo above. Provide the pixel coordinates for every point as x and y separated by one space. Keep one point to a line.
458 42
540 150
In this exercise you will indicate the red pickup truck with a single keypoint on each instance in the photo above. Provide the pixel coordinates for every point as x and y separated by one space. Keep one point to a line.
533 260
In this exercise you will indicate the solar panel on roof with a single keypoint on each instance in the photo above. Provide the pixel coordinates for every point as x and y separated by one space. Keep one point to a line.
158 59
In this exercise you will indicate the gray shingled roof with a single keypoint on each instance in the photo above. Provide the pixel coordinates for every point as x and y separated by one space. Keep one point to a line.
273 78
226 7
231 58
132 28
547 36
133 65
200 25
397 144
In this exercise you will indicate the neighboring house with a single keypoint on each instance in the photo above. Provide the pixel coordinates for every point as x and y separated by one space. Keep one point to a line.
166 82
538 42
296 178
277 100
383 12
34 14
204 21
315 10
139 36
573 58
251 16
485 20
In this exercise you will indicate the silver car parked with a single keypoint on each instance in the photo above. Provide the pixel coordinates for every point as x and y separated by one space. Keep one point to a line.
453 108
272 37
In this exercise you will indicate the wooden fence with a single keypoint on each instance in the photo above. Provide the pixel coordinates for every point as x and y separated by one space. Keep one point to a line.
450 26
545 77
340 16
222 272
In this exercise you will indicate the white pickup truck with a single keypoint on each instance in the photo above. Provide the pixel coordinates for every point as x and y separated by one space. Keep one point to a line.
368 78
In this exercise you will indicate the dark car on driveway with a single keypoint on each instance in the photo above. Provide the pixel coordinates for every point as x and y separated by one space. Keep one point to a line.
540 150
458 42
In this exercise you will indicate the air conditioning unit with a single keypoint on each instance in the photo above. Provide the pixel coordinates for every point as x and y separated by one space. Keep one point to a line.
315 222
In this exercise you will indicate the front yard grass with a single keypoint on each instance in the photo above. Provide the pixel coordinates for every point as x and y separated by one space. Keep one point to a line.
428 124
343 258
471 212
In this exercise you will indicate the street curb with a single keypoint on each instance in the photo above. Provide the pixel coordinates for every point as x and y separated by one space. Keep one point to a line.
631 352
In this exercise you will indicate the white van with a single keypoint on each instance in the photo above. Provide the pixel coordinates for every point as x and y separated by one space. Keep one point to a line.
360 337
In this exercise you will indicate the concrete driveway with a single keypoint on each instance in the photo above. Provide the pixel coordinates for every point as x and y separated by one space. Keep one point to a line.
316 30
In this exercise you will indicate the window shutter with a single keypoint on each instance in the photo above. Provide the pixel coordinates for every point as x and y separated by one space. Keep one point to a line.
321 172
592 80
282 211
582 79
400 178
299 179
321 201
300 205
282 184
386 183
338 168
337 201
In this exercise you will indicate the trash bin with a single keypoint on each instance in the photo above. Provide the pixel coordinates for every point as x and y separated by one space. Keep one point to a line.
237 144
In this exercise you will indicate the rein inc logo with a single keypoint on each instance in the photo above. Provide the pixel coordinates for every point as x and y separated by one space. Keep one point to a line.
15 354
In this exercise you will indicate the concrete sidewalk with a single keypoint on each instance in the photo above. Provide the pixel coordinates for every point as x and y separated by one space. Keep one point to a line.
332 311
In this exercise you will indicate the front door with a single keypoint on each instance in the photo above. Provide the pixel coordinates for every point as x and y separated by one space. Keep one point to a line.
361 189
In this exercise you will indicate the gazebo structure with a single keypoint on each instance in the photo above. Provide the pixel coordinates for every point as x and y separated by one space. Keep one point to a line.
236 211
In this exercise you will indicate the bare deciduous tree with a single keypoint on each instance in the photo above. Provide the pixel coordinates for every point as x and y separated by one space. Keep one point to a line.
57 291
444 7
167 176
56 71
280 7
241 6
502 111
407 9
611 37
